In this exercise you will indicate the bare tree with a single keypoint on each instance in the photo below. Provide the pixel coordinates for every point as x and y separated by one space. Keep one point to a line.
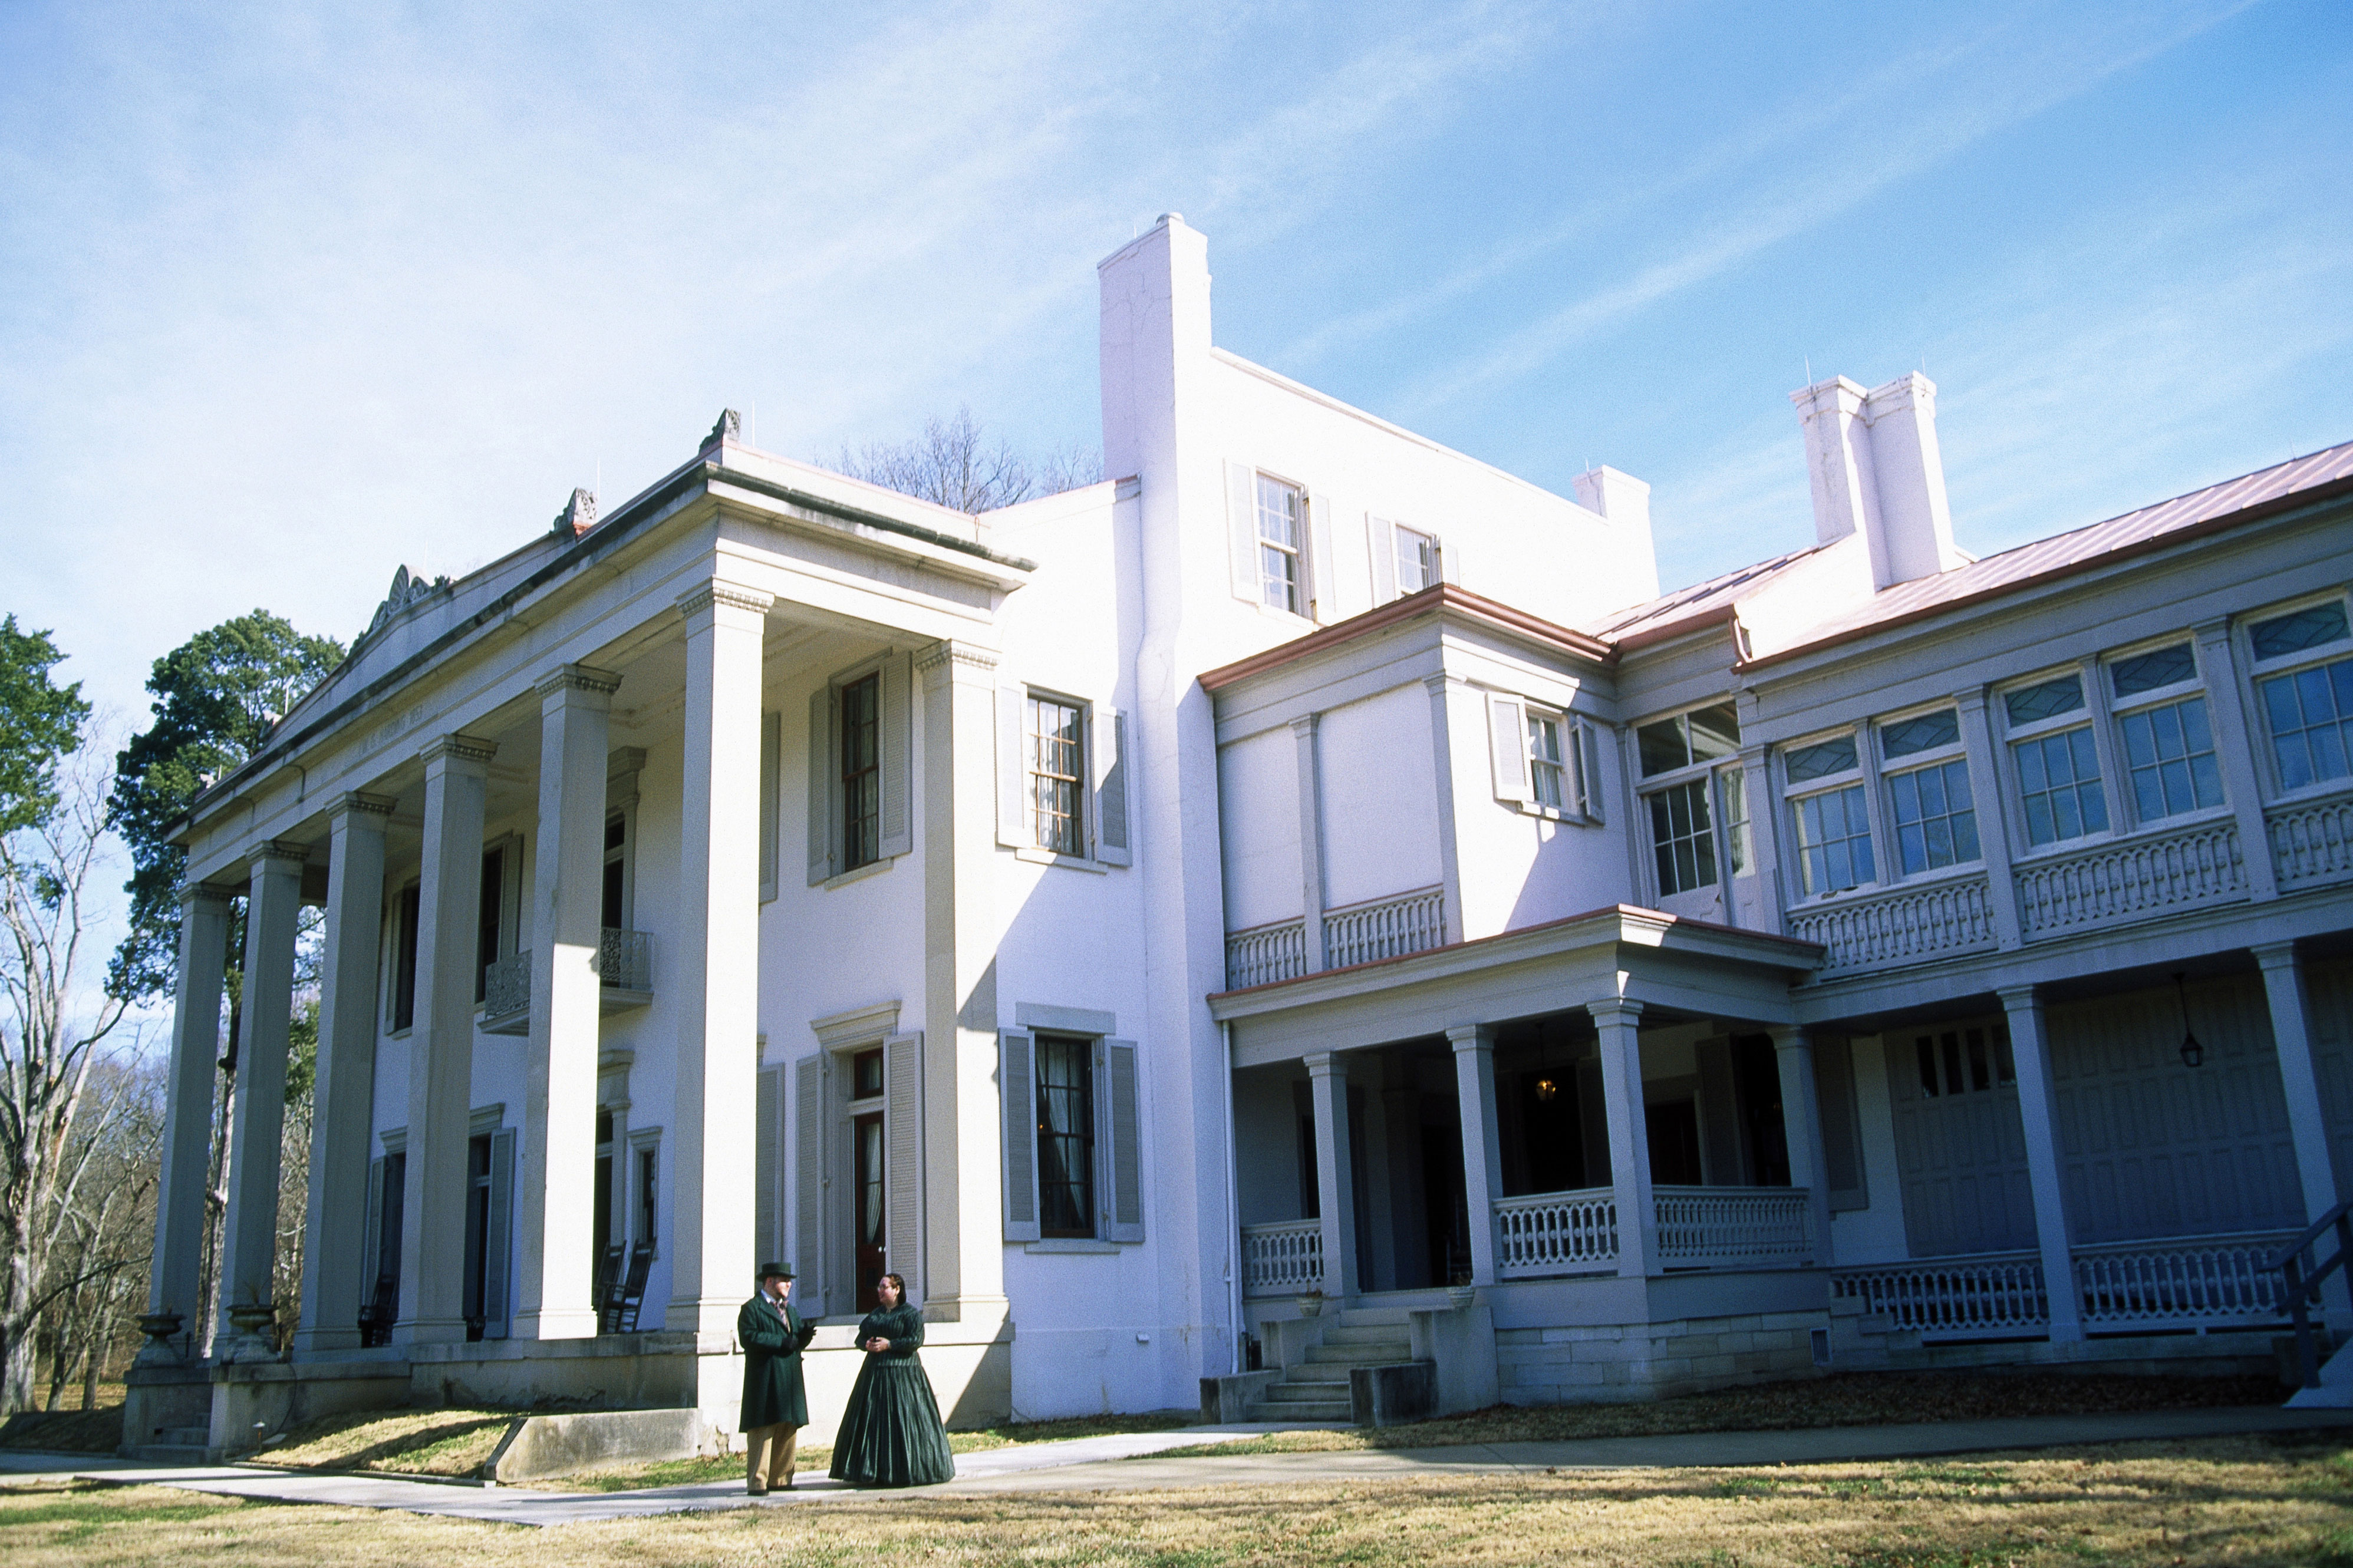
47 1047
953 464
105 1234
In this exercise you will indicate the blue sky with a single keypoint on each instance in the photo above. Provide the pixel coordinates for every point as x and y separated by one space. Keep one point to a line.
294 295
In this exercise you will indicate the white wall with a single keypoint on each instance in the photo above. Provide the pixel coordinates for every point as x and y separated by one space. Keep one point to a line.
1258 792
1379 797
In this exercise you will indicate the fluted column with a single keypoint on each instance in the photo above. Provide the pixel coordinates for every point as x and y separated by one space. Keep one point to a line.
441 1044
342 1099
712 983
1336 1176
554 1209
1483 1154
2038 1115
175 1274
1617 1023
1801 1129
250 1248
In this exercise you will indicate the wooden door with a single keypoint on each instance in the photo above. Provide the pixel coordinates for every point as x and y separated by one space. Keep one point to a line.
866 1152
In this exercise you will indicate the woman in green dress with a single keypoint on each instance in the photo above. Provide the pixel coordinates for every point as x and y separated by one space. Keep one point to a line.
891 1435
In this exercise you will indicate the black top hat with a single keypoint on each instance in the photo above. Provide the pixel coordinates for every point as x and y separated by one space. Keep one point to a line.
771 1270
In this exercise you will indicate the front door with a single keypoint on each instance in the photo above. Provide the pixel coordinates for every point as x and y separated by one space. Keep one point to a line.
866 1148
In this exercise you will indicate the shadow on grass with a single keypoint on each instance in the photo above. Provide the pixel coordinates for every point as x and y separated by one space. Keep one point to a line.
98 1431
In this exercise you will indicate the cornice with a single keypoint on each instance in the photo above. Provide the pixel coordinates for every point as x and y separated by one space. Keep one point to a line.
579 678
942 654
733 595
464 750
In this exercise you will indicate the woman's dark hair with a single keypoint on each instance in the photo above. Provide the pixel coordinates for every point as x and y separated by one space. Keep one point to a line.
899 1280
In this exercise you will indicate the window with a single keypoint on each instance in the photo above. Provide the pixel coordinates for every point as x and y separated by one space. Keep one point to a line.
2152 672
2032 704
1921 733
866 1075
1833 841
862 771
616 915
2284 637
1066 1136
2059 784
486 925
649 1192
1806 763
2309 711
1057 775
1280 535
2169 759
1964 1061
403 960
1681 837
1936 823
1417 561
1702 735
1547 769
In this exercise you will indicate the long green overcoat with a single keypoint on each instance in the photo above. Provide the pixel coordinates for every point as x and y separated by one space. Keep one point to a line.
773 1392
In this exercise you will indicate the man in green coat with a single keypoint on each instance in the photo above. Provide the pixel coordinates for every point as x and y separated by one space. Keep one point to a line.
776 1405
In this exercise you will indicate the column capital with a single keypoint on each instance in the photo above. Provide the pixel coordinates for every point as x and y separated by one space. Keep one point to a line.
2271 956
568 682
1304 725
1789 1037
1439 685
951 655
2017 998
276 849
708 597
1612 1009
460 754
195 893
1472 1038
1322 1063
359 803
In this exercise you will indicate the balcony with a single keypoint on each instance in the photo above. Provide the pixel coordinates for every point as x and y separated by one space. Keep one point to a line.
1904 925
2312 842
2138 880
1360 933
625 966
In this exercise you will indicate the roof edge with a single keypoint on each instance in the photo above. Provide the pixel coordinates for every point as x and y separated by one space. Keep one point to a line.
1437 599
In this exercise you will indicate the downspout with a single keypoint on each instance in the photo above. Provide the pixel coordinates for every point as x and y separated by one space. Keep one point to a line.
1234 1211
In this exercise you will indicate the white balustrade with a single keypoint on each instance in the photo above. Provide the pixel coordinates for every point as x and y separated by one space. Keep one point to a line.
2202 1279
1759 1227
2311 843
2140 878
1910 925
1389 928
1557 1233
1965 1297
1264 954
1283 1259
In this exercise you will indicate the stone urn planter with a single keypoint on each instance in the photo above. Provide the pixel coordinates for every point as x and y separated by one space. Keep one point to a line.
1311 1303
1460 1296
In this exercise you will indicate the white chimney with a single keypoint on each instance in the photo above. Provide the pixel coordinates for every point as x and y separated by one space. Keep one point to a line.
1875 469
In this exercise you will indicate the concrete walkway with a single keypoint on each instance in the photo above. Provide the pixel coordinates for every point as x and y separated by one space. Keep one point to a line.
1126 1464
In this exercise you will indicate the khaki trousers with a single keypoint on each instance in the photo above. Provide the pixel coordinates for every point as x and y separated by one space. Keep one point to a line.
768 1457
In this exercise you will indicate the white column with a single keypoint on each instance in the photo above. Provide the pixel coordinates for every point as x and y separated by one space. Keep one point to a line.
175 1281
1801 1129
1985 764
2299 1077
1616 1021
713 979
1311 841
1336 1176
334 1274
963 1237
441 1042
2038 1113
2234 748
250 1246
1482 1155
554 1197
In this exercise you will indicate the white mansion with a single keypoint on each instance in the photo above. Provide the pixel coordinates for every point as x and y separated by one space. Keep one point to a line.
1310 870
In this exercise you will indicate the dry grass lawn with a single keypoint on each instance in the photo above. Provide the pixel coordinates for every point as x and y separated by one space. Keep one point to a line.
402 1442
2240 1503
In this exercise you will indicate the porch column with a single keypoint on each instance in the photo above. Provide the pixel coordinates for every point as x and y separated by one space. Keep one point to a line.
249 1249
2031 1049
343 1094
714 975
1336 1176
2234 749
1311 841
1482 1155
441 1042
1801 1128
1616 1021
1984 766
2299 1077
175 1273
556 1197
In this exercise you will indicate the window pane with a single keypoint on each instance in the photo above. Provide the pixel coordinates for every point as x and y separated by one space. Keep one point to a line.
2147 671
861 774
1056 771
1936 825
1919 734
1662 746
1417 561
2311 717
1066 1136
1544 759
1715 731
1279 509
2059 779
2051 698
1834 840
2294 633
2170 753
1820 761
1680 838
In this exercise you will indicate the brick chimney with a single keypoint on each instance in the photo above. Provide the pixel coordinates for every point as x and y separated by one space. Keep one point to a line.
1876 470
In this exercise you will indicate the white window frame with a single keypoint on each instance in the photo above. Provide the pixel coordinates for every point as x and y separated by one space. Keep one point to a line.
1302 592
1433 569
644 1141
2259 723
2124 813
1794 794
1103 793
2093 716
1509 718
1890 769
1705 771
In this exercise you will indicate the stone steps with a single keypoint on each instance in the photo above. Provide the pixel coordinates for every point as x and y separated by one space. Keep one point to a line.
1317 1389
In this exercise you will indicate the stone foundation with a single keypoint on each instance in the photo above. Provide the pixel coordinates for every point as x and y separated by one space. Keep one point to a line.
1614 1362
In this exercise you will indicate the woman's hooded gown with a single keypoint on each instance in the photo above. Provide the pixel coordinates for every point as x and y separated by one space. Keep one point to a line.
891 1435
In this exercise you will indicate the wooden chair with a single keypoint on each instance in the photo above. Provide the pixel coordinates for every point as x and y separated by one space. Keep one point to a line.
608 1286
376 1318
631 1297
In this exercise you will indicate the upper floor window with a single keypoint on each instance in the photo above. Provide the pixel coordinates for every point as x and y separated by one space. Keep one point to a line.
1683 837
1279 538
2169 747
1935 820
614 907
1416 560
1701 736
862 770
2057 761
2307 705
1057 775
1547 764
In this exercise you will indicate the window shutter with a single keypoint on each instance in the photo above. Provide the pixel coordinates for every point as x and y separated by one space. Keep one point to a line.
771 786
1450 563
1843 1171
767 1147
1012 769
1113 845
808 1180
1122 1209
1588 753
1507 734
372 1248
1241 526
896 743
1017 1082
902 1136
1381 539
1317 517
820 785
498 1238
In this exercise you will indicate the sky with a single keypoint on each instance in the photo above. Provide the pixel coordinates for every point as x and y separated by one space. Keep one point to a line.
293 296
